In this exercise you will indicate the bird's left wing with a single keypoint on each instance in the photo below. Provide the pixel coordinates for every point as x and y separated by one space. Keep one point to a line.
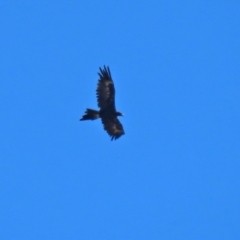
113 127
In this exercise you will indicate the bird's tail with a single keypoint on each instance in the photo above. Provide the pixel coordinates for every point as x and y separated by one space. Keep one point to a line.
90 114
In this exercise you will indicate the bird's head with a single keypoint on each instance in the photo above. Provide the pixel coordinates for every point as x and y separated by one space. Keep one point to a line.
119 114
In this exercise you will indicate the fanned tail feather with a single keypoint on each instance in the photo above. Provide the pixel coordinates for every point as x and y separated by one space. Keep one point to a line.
90 114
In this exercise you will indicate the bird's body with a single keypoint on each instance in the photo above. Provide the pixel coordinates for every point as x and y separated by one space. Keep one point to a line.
106 103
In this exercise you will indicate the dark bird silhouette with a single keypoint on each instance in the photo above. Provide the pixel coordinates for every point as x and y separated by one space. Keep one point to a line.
106 103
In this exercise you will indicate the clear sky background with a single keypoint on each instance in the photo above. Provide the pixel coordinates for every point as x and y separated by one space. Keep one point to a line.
175 174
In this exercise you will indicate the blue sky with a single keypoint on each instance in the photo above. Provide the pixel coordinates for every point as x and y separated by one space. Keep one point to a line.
174 174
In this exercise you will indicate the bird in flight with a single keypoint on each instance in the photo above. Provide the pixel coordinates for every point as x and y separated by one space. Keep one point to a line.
106 103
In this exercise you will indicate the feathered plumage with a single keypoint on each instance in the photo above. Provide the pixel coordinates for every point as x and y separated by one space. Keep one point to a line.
106 103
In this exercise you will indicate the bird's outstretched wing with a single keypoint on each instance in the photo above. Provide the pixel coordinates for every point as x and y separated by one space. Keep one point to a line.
113 127
105 90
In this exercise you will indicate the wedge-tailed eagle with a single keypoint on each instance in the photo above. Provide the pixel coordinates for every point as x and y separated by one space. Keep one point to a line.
106 103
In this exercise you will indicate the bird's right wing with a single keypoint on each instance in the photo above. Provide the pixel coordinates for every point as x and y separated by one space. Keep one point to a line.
105 90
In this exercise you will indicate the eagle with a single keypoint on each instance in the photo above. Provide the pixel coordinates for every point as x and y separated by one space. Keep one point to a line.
106 102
